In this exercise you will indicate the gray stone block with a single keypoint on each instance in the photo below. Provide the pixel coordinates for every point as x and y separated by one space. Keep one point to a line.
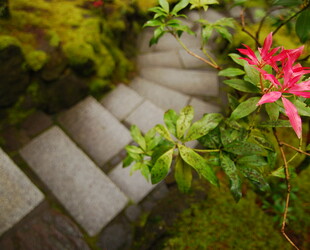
191 62
146 116
80 186
121 101
202 108
161 58
95 129
192 82
210 15
18 196
135 186
168 42
161 96
143 41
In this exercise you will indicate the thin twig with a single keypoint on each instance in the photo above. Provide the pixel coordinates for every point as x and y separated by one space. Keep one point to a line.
289 19
195 55
296 149
287 178
263 20
246 31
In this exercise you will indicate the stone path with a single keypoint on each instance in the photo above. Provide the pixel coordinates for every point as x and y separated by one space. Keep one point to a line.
77 158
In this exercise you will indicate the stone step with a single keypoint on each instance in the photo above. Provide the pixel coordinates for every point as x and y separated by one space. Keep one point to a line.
18 196
95 130
191 82
210 15
202 108
82 188
172 59
121 101
161 96
146 116
134 185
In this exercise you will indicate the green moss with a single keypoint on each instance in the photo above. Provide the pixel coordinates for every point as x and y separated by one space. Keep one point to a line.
36 59
6 41
219 223
78 52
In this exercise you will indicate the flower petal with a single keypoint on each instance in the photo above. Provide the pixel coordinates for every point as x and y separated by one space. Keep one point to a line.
292 113
267 45
270 97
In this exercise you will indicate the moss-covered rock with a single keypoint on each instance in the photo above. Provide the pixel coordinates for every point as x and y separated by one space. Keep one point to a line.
36 59
14 78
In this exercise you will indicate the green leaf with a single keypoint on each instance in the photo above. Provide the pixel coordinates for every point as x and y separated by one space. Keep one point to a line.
202 4
134 149
236 59
203 126
308 147
242 85
159 151
144 169
302 26
273 111
163 131
256 178
152 23
164 4
280 172
186 29
231 72
179 6
233 101
228 135
226 21
244 148
183 175
245 108
224 33
198 163
211 140
207 32
302 108
252 161
184 121
231 171
127 161
170 119
278 123
161 167
137 136
287 3
262 141
158 33
252 75
151 139
272 159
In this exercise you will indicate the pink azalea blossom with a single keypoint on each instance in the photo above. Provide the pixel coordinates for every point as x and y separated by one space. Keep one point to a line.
266 53
291 76
286 80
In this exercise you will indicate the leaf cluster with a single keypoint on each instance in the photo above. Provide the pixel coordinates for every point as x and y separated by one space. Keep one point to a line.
165 20
164 146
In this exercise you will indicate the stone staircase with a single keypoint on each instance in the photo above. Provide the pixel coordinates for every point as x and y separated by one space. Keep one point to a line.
77 158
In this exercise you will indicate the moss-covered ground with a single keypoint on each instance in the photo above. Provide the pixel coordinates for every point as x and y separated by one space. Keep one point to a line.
215 221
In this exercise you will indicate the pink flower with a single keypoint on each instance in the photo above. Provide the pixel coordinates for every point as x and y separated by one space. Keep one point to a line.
266 54
98 3
289 85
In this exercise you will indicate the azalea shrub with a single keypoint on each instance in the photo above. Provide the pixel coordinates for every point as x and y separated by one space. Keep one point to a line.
273 93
